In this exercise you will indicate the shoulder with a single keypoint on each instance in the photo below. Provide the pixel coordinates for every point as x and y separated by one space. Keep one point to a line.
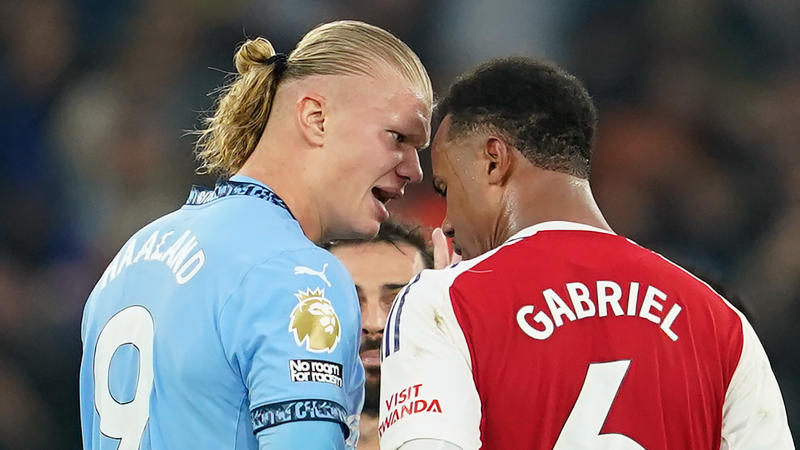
299 289
307 268
309 262
431 288
686 281
298 284
243 220
246 235
422 314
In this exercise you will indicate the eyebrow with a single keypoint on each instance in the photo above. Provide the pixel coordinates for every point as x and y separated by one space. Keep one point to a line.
416 138
416 128
389 286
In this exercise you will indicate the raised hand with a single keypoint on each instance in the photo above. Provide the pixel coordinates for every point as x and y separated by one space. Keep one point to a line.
442 257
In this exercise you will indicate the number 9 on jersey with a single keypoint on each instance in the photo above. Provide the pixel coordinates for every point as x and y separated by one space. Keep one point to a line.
124 421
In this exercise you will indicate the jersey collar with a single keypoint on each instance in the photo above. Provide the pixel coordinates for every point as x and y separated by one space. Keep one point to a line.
555 225
236 185
246 179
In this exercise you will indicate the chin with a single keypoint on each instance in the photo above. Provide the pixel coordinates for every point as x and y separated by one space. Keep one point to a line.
466 254
372 394
365 227
356 225
363 230
369 232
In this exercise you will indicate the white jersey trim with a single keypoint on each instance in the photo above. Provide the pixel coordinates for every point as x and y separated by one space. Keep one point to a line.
425 350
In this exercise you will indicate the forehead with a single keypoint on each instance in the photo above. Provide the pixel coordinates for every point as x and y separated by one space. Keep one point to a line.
455 149
387 96
400 88
441 146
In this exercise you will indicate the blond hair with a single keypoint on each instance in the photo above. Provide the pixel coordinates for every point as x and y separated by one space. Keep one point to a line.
243 106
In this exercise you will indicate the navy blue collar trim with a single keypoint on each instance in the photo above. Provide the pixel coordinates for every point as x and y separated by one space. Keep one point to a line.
201 195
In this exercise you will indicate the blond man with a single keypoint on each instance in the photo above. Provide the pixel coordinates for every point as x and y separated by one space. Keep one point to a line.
222 324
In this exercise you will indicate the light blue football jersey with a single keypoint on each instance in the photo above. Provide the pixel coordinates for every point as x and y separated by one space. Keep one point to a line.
217 323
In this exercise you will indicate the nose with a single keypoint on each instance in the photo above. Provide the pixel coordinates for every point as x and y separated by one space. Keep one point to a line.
372 318
409 167
447 228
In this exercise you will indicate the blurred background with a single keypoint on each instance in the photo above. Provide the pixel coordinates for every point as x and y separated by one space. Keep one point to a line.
696 157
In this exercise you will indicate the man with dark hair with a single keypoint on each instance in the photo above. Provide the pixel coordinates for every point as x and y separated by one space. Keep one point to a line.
380 267
556 333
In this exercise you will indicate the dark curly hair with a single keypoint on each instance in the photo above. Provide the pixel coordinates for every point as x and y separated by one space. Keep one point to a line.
393 232
535 106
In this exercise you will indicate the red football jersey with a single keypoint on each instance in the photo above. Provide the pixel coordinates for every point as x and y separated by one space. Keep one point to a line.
568 337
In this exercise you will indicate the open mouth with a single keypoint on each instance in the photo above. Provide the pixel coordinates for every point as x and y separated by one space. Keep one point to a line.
371 358
385 195
371 352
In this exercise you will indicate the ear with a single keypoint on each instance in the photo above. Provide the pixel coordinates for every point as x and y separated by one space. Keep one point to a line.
498 158
310 112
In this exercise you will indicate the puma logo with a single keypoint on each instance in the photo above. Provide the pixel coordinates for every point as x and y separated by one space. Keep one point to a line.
303 270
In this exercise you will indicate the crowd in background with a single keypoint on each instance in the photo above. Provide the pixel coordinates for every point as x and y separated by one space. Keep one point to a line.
697 153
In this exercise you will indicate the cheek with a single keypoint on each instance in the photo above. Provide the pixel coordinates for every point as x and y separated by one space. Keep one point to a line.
350 161
347 138
467 215
456 211
367 151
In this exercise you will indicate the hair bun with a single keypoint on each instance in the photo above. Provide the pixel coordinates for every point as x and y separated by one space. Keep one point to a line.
252 53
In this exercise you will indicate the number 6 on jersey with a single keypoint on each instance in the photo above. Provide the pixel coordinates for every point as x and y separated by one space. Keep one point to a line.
582 428
124 421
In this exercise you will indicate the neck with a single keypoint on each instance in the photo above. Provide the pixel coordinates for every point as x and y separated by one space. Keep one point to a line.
283 175
368 426
543 196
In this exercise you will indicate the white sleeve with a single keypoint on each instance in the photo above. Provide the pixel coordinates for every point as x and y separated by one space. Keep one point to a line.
429 444
427 389
753 415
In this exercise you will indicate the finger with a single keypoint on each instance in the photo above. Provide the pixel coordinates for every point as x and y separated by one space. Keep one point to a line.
441 253
455 258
